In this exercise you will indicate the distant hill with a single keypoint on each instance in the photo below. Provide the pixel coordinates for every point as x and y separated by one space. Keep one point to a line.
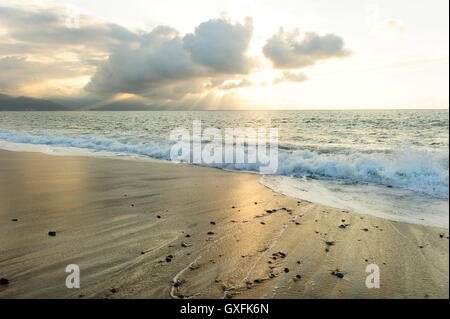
23 103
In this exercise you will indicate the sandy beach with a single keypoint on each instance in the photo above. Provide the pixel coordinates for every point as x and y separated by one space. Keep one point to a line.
141 229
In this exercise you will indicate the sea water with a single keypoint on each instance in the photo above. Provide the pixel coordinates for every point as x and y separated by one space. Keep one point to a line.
389 163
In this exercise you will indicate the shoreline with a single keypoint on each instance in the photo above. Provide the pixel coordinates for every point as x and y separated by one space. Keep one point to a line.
105 214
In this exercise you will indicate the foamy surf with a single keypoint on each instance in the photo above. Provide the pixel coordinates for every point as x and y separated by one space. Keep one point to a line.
371 199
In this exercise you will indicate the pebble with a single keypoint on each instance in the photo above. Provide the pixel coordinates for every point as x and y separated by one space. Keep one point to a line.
15 220
4 281
286 270
113 290
212 223
210 233
337 273
157 216
52 233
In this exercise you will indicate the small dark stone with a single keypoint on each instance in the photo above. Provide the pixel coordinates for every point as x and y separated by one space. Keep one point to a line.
15 220
212 223
284 208
420 246
365 229
327 250
263 223
298 262
168 259
269 211
142 252
298 277
256 203
52 233
132 205
330 243
257 281
337 273
342 226
4 281
157 216
283 255
297 223
210 233
187 235
233 207
441 235
286 270
113 290
176 284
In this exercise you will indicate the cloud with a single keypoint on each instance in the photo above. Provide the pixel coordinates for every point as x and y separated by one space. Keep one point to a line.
287 51
17 71
39 30
97 62
289 76
166 66
221 45
392 26
236 85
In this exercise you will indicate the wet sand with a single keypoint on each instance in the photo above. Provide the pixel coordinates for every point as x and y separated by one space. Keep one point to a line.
141 229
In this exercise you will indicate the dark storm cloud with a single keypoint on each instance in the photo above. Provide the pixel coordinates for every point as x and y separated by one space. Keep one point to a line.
287 51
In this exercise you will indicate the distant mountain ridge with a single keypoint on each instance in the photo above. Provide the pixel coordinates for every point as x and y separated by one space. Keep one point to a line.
23 103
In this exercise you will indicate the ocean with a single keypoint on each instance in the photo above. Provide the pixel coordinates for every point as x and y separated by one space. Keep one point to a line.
389 163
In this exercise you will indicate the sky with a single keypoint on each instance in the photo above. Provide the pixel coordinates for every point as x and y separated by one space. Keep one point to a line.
203 54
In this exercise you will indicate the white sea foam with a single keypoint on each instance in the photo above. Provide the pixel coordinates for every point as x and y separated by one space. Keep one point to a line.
420 170
372 199
423 171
